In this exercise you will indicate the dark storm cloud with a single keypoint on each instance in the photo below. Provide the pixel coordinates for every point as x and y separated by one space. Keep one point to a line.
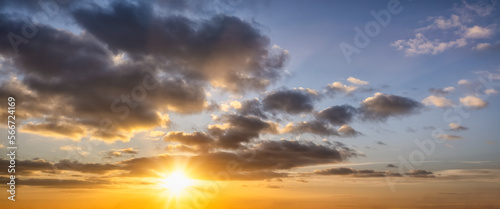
265 157
382 106
420 174
252 107
86 78
27 167
225 51
208 6
114 153
202 166
130 21
58 183
84 103
196 138
313 127
189 142
240 129
285 154
56 129
247 122
293 101
372 173
335 171
264 160
337 115
31 6
354 173
63 183
79 85
95 168
391 166
182 148
182 4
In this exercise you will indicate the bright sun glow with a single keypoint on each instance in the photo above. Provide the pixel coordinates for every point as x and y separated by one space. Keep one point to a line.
176 182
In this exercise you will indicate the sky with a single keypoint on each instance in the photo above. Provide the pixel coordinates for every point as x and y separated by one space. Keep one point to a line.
251 104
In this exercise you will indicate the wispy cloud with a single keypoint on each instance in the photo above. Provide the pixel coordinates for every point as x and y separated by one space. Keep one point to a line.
459 24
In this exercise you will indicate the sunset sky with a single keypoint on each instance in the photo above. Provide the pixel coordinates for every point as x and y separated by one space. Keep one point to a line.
234 104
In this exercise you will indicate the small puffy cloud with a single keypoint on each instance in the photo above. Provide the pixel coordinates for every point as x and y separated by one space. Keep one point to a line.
224 107
357 85
118 59
473 102
477 32
456 127
230 105
235 104
357 81
437 101
449 137
348 131
442 92
449 89
340 87
490 91
464 82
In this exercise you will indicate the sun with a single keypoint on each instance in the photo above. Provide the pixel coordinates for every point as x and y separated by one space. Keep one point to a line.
176 182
